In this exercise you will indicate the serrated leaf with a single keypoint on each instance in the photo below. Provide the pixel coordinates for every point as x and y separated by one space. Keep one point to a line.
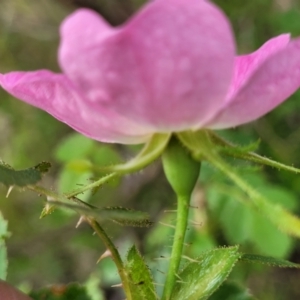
270 261
61 292
141 281
128 217
120 215
231 291
3 253
21 178
202 277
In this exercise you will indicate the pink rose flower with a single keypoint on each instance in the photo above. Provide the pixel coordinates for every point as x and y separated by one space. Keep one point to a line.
171 67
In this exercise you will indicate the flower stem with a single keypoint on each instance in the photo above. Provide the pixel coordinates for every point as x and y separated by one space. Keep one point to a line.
100 232
181 225
114 253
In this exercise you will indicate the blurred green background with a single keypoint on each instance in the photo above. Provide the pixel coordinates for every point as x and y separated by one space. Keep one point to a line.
51 251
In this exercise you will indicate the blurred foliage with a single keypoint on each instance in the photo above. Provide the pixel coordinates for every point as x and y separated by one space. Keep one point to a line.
72 291
3 252
51 250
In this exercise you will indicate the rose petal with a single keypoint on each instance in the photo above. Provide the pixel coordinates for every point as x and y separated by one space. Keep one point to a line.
169 67
272 82
56 94
246 65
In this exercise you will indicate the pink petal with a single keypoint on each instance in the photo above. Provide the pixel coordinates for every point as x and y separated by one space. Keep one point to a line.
246 65
273 80
169 67
56 94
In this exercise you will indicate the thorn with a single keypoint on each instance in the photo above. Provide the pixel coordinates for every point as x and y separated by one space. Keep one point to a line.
161 258
117 285
179 278
168 225
49 198
9 190
107 253
196 223
159 284
80 221
170 211
190 259
191 206
161 272
47 210
180 281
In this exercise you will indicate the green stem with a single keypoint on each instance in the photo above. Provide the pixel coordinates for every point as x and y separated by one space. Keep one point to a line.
92 185
181 225
100 232
114 253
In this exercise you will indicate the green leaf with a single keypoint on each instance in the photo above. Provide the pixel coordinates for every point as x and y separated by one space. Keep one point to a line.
231 291
105 155
141 282
268 239
151 151
60 292
92 286
120 215
270 261
241 224
3 253
202 276
11 177
74 175
74 147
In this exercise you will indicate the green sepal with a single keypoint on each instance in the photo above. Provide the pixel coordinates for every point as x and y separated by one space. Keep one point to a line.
151 151
201 277
270 261
140 279
21 178
231 149
202 147
120 215
246 153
